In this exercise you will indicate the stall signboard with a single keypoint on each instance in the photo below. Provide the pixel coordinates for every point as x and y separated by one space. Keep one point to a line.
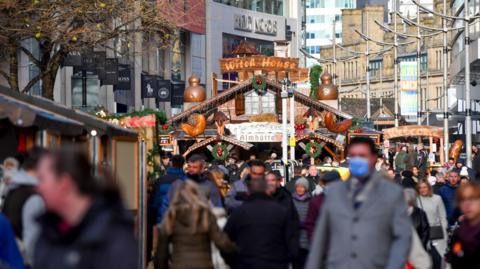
149 86
253 63
165 140
408 88
266 132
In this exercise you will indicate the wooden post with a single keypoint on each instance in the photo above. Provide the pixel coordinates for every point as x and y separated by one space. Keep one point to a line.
430 141
214 84
335 158
442 156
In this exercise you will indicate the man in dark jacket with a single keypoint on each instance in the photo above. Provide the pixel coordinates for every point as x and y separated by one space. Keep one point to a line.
447 192
260 227
208 189
86 225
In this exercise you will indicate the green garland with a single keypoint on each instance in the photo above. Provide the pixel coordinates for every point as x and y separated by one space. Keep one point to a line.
165 129
313 149
151 154
315 72
220 152
259 84
160 115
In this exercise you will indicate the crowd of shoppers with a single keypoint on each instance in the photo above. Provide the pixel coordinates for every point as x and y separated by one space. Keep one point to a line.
392 212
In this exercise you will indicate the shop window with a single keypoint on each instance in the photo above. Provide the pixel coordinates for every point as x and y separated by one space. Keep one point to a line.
257 104
178 58
85 90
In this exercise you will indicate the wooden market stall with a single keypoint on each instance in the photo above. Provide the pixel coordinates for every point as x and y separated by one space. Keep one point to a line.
430 132
27 121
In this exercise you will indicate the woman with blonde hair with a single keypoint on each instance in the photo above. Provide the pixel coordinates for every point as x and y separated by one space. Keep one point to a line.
190 227
433 206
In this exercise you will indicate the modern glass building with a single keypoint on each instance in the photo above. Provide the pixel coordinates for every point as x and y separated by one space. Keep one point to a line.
320 16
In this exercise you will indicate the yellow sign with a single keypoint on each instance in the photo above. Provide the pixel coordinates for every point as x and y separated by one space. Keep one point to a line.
253 63
292 141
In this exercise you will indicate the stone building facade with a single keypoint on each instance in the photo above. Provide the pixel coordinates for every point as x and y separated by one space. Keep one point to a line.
351 74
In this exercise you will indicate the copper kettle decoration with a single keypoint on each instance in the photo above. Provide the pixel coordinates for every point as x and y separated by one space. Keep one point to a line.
327 90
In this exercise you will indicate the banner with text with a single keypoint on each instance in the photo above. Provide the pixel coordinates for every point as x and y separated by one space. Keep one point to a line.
408 88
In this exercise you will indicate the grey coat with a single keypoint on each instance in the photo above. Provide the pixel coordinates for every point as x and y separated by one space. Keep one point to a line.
377 235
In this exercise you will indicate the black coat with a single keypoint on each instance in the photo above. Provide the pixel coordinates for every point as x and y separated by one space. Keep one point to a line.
420 223
103 239
408 182
262 231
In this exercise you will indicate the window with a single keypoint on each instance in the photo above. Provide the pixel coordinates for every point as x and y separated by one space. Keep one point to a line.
85 90
178 58
257 104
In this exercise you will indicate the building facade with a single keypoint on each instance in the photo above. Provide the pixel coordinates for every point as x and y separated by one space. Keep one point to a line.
271 26
351 69
134 59
320 17
457 69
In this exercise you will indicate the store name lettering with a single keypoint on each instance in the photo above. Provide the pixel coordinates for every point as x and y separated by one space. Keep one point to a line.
258 25
258 63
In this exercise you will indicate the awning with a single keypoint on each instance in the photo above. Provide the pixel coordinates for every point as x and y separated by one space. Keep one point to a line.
22 114
46 114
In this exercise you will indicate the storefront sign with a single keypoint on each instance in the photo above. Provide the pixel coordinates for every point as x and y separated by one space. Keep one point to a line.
164 88
258 25
124 78
256 131
253 63
149 86
178 88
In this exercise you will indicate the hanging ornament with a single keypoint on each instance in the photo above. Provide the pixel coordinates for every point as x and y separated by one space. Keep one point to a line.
220 152
38 35
313 149
259 84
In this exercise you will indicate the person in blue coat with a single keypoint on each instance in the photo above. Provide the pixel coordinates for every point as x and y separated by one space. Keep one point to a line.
447 192
10 256
164 184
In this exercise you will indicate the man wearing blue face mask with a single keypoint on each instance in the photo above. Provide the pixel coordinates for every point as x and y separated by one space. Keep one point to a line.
364 222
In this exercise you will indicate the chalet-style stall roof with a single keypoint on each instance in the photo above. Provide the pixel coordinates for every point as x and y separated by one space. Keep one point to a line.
208 106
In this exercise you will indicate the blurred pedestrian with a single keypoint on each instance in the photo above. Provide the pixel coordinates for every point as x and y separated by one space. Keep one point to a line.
10 257
23 205
190 228
239 191
165 163
312 178
401 159
347 235
9 168
465 243
86 225
157 208
439 181
218 177
196 172
411 159
450 164
422 161
407 180
447 192
433 206
315 204
416 174
418 217
261 229
301 199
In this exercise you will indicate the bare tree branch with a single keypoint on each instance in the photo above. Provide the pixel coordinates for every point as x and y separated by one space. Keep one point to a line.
30 55
31 83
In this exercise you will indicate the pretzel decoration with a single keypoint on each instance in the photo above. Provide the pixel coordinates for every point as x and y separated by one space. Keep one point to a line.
339 127
198 128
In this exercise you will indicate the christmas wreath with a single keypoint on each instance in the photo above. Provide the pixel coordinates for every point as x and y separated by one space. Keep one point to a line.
259 84
220 152
313 149
165 129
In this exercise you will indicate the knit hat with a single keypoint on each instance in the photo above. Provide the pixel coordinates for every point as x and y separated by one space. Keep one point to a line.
331 176
302 181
